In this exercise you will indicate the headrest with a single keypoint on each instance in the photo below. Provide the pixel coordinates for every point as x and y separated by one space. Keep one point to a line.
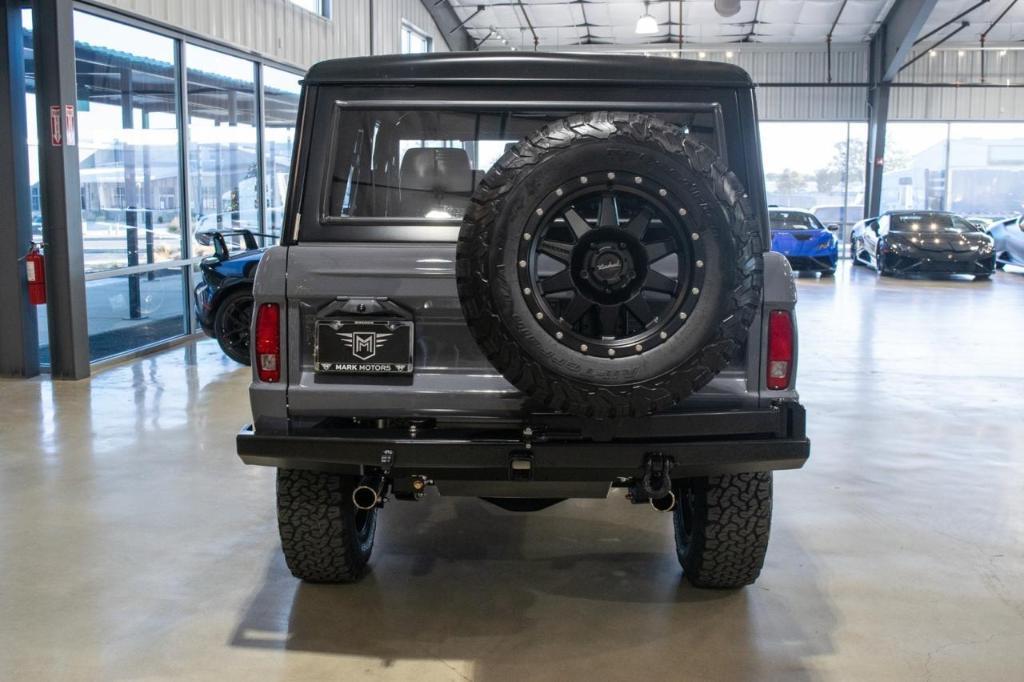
437 169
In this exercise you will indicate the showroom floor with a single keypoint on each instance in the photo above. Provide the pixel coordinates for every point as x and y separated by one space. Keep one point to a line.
134 544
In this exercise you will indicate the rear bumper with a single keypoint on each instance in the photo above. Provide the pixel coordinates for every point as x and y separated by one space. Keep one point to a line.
557 448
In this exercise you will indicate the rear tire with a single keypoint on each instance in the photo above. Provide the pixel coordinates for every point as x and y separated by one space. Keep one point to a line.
325 538
231 325
722 524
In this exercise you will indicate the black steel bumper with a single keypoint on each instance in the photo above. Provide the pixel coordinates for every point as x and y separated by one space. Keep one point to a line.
555 448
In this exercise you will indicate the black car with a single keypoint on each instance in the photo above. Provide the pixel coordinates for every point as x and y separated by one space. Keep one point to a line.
224 296
911 242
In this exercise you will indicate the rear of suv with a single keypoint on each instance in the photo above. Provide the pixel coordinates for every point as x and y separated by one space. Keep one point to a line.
525 278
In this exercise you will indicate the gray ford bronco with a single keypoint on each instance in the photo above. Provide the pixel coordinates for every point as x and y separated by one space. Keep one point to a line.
525 278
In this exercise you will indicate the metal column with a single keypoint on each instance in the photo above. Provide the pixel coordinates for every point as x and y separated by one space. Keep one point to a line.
61 200
19 342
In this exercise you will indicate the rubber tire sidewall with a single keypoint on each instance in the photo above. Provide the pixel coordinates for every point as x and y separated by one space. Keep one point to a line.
554 373
218 319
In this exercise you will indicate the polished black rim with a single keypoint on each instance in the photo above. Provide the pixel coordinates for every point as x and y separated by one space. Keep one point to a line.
234 325
365 519
611 265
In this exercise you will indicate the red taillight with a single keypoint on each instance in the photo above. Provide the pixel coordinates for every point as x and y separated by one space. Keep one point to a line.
268 343
780 349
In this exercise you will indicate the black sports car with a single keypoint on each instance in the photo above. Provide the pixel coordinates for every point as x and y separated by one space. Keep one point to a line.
1009 241
910 242
224 296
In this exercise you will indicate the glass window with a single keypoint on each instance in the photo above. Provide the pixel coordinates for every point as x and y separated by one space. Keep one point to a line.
415 41
914 175
281 108
222 154
33 170
793 220
129 165
986 169
425 164
315 6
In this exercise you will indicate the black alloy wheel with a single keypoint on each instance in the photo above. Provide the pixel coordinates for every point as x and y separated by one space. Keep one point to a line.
608 266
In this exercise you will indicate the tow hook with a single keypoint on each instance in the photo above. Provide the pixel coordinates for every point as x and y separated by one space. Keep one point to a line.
655 484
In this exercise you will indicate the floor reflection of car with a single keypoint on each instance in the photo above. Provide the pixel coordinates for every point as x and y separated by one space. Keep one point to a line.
911 242
803 240
224 296
1008 238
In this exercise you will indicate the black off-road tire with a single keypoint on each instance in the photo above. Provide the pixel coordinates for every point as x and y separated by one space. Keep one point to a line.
722 524
325 538
231 325
550 371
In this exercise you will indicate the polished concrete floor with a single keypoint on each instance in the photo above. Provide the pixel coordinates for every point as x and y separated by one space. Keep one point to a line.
135 545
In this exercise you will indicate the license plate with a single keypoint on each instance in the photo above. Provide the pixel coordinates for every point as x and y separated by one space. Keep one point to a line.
354 346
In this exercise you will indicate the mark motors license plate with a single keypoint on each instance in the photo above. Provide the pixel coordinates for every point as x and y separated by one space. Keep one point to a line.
363 346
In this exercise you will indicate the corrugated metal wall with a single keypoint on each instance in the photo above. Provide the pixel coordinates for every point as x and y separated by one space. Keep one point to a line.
961 103
281 30
800 64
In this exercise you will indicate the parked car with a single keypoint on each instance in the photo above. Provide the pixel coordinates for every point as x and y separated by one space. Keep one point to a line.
595 308
1008 241
224 295
835 216
909 242
803 240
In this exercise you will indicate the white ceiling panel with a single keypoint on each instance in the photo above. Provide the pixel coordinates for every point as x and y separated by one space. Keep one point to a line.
571 22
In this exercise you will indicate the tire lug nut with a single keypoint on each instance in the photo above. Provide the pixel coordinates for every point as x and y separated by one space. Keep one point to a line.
611 176
638 180
700 264
695 291
682 211
527 236
540 211
540 316
527 291
694 236
583 180
559 192
682 316
522 264
663 192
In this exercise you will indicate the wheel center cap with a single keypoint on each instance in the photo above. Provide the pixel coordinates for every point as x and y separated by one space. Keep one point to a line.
608 267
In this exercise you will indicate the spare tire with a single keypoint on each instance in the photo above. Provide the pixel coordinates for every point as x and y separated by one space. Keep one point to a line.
609 265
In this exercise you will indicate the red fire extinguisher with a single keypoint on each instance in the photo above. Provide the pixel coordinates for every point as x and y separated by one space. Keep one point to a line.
36 273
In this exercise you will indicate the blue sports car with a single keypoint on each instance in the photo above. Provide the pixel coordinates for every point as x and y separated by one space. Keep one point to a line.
803 240
224 296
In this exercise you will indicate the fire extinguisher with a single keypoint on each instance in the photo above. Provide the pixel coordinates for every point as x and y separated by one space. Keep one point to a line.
36 275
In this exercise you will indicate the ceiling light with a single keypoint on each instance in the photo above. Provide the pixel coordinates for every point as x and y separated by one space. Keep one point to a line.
702 55
932 53
960 53
646 24
727 8
1002 53
729 55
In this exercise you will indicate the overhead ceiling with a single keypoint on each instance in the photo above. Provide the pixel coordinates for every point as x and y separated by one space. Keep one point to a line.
568 23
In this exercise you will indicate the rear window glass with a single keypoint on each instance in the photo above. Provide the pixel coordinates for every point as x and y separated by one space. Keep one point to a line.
793 220
424 165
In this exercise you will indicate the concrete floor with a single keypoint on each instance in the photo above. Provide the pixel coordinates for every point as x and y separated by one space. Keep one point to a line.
134 544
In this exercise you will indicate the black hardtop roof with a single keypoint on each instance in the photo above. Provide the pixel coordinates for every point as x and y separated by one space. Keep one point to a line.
491 67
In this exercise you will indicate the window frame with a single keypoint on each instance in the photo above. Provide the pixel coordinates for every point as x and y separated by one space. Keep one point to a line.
319 225
413 30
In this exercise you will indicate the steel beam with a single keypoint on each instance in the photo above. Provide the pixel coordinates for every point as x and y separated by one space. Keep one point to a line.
452 29
895 37
19 341
60 187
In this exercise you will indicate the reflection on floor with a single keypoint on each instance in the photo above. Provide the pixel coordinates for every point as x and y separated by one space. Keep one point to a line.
134 544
